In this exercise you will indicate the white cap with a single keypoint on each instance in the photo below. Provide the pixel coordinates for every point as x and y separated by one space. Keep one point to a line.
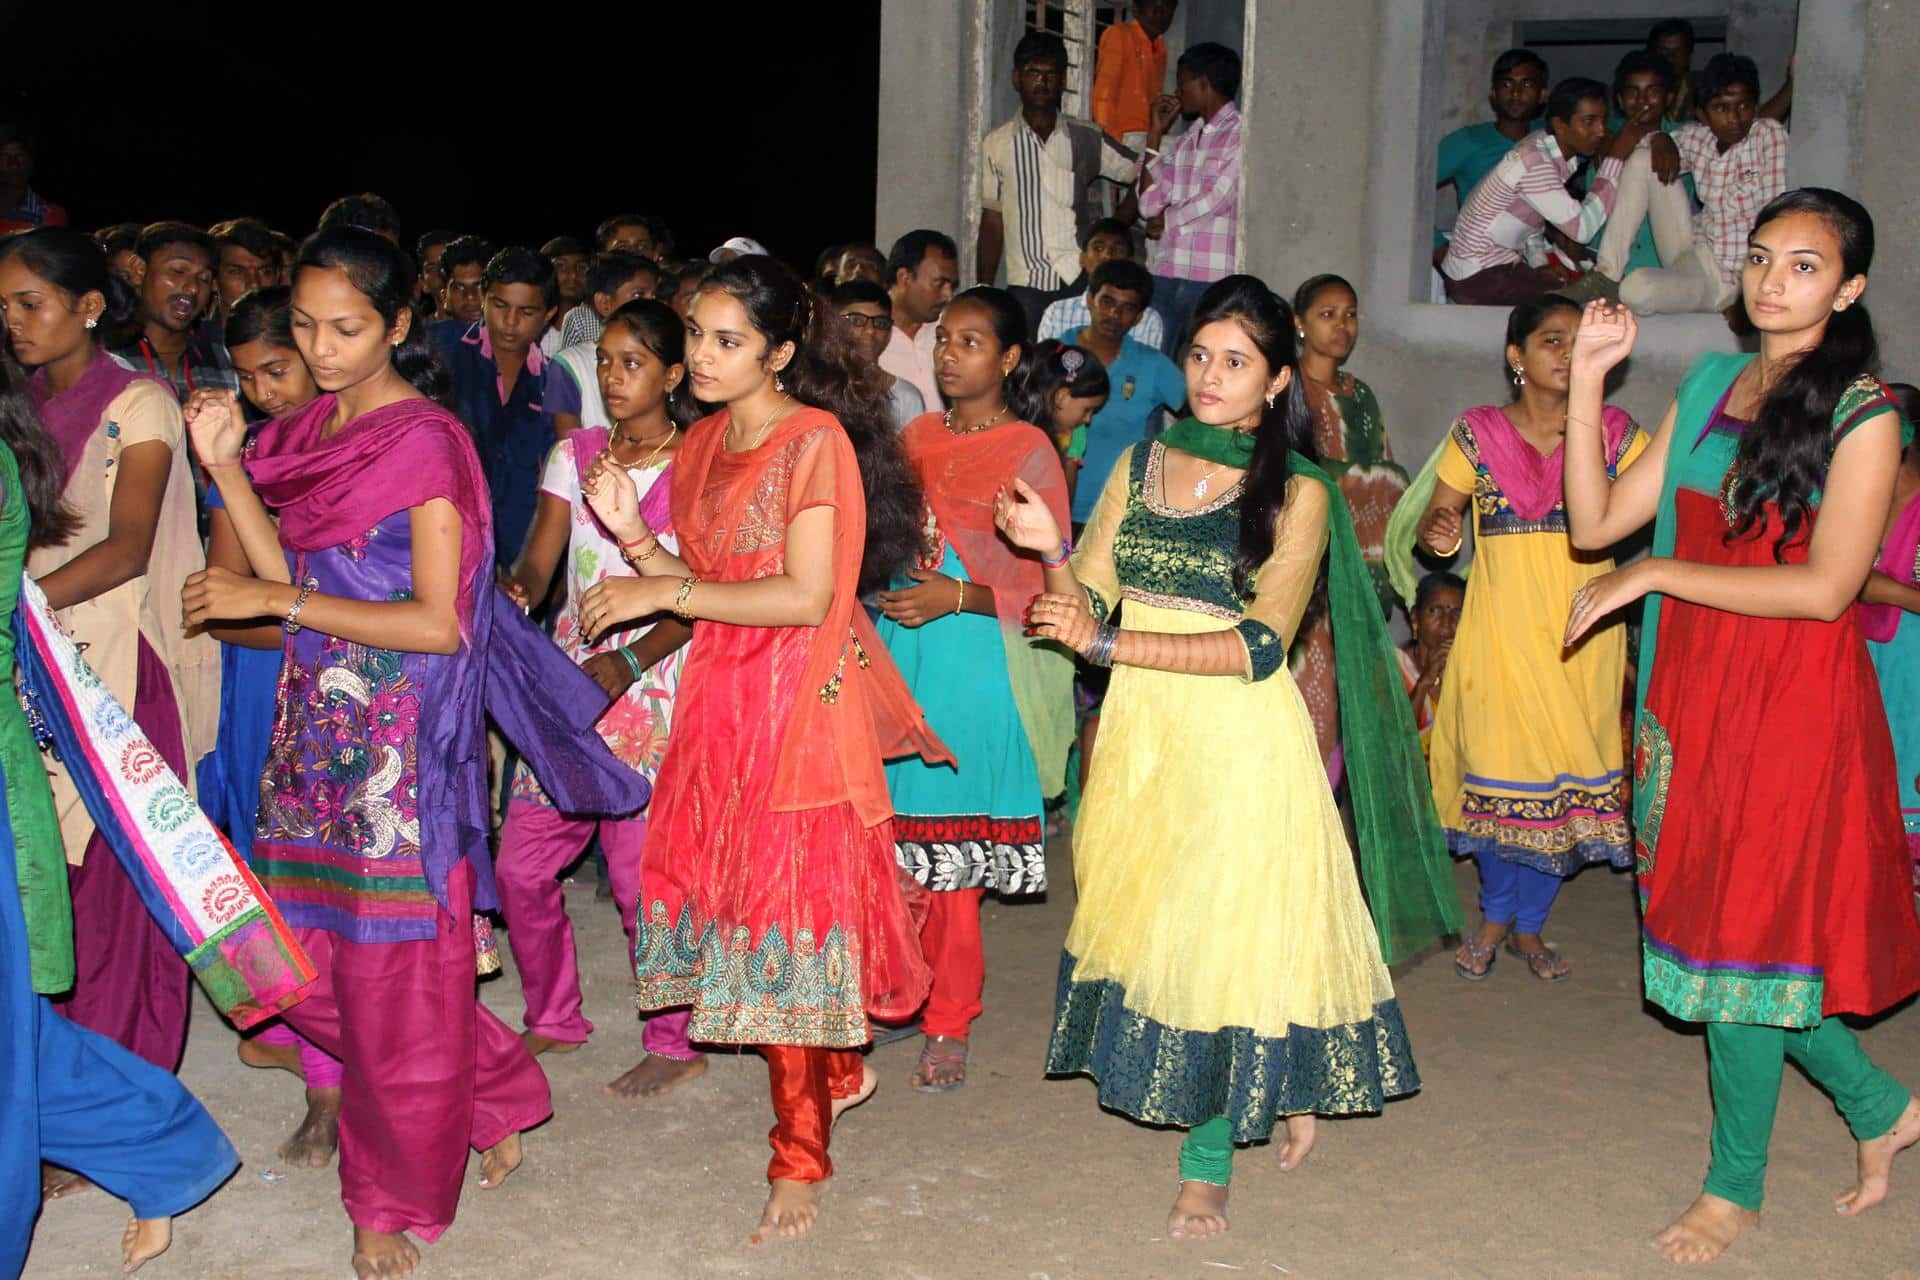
737 247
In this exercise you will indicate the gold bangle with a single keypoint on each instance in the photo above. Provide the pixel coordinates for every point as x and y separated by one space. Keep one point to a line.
635 557
1458 542
680 609
960 601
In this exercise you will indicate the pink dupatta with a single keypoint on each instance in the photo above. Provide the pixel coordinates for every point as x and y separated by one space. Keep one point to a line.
1532 481
1899 560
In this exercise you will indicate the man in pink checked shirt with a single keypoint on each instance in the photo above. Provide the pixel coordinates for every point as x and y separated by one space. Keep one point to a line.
1190 193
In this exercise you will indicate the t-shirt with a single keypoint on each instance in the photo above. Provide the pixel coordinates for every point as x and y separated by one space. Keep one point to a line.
1143 383
904 402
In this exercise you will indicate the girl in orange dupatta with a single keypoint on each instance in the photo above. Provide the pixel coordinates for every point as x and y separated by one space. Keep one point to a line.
999 700
769 898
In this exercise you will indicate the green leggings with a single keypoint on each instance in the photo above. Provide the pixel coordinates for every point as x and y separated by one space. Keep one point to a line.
1207 1154
1744 1066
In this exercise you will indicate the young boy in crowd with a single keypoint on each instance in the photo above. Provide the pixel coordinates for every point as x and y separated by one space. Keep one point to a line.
868 311
1143 380
463 269
613 280
172 275
246 258
1131 71
514 401
429 249
568 257
1106 241
1469 153
923 270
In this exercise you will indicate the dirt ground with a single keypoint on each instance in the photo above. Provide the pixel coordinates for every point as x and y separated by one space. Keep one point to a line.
1560 1126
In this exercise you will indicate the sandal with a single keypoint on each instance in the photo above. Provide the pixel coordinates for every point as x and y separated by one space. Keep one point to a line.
1546 964
940 1054
1483 957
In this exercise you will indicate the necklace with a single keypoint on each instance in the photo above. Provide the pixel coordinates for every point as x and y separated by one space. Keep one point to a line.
762 431
665 440
1200 485
994 421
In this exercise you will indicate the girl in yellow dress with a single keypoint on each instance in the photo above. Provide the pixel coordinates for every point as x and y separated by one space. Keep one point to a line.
1221 973
1525 749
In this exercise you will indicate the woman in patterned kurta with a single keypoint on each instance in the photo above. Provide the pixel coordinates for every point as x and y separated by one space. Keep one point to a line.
1771 860
641 363
1890 603
1350 436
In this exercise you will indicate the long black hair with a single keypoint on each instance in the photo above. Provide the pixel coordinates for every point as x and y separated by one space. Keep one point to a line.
1008 319
661 332
828 374
261 315
1785 452
74 263
382 271
1286 425
1056 366
43 471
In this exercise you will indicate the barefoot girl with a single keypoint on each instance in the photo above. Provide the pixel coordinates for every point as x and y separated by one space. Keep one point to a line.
1220 934
770 835
999 700
1772 865
641 368
1525 747
372 829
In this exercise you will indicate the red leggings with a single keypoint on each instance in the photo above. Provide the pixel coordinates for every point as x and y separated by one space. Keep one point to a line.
805 1084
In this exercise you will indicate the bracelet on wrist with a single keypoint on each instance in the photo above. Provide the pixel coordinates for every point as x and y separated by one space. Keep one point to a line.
631 556
633 663
1066 554
960 597
681 609
292 621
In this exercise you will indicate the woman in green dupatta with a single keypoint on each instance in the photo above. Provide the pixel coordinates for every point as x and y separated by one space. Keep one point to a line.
1221 973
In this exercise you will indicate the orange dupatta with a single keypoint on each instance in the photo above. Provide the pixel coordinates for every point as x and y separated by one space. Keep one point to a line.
853 710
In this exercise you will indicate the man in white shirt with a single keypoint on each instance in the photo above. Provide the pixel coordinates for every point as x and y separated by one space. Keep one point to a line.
1106 240
923 270
1036 177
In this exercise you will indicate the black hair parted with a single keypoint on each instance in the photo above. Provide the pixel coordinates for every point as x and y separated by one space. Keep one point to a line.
1218 65
660 331
603 234
366 211
1723 73
43 471
825 372
1053 366
1285 426
1525 320
71 262
1313 286
608 271
247 234
853 291
1785 451
1124 274
261 315
517 264
466 251
382 271
1504 64
1008 320
1436 581
1567 96
911 249
156 236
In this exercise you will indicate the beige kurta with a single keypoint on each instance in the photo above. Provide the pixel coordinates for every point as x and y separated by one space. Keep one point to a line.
110 626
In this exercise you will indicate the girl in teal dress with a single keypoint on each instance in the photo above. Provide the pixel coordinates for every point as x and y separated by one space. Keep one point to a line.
1888 604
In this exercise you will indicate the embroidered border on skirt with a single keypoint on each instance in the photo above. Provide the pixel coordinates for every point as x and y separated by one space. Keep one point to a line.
973 851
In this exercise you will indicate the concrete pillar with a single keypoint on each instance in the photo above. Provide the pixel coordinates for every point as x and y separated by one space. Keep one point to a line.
930 111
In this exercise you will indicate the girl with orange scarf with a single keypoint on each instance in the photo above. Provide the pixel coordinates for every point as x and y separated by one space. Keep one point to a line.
769 898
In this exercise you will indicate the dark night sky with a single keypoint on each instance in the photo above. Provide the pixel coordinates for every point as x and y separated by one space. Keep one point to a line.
725 119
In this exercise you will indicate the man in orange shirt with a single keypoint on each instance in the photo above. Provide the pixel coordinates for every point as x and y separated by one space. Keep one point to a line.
1132 71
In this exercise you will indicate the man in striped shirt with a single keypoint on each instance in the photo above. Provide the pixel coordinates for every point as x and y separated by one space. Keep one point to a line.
1499 252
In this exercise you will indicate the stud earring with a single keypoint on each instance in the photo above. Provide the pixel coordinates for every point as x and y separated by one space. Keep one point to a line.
93 322
1519 378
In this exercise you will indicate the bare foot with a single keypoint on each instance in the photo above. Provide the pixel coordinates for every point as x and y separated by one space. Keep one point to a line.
656 1074
791 1209
57 1183
1199 1211
257 1053
1300 1135
318 1137
498 1161
1876 1163
1704 1231
538 1044
143 1240
378 1254
869 1081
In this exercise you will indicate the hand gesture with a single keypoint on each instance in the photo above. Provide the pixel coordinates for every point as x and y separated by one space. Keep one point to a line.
1604 594
1026 521
1156 226
218 428
1065 618
933 595
610 671
1664 155
611 494
1441 531
612 601
516 592
1161 115
221 595
1604 338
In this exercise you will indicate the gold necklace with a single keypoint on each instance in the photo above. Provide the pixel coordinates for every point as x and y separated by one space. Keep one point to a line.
994 421
761 433
666 440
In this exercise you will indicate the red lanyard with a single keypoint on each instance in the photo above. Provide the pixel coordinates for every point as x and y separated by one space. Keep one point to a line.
186 366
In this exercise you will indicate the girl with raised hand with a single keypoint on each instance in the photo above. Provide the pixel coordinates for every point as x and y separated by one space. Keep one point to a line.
1000 701
1772 864
641 364
1221 935
771 832
372 834
113 586
1525 749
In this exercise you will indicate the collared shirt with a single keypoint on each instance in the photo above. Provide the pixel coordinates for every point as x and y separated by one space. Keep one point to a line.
1077 313
1467 155
1030 184
1196 185
1143 383
1733 186
205 363
581 324
1130 72
1504 220
35 211
912 359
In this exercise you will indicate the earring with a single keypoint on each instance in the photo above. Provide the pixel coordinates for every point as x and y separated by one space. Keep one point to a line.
669 395
778 385
93 322
1519 378
1270 399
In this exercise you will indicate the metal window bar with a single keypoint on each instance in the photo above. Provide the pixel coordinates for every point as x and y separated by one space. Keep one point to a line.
1080 23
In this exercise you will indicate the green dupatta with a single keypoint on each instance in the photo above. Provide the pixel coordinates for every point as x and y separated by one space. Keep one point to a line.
1403 855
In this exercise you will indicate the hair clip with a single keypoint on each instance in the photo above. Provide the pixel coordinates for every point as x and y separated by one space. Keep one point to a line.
1071 358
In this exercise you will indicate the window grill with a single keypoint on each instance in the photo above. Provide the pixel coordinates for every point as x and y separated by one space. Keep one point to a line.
1080 23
